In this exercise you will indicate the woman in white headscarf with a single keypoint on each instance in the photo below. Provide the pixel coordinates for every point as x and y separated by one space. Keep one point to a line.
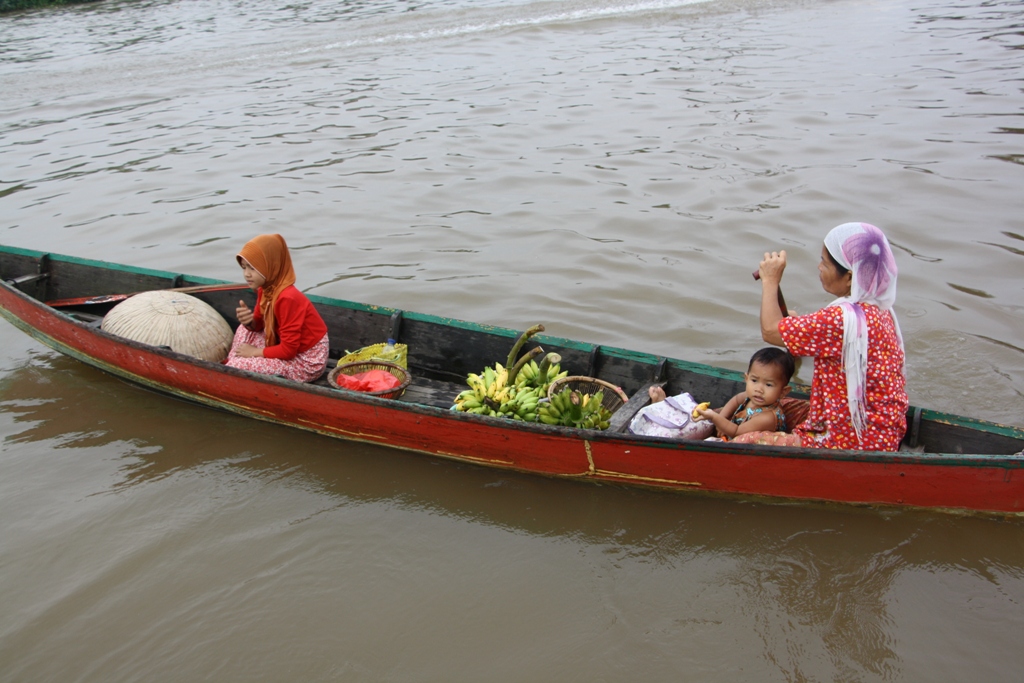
858 392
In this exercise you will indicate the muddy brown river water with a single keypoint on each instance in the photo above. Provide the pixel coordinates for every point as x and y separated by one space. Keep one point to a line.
613 169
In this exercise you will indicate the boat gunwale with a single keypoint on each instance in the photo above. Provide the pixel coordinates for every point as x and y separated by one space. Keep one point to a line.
1004 461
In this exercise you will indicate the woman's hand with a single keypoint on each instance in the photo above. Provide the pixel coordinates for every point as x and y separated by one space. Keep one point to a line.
772 266
244 313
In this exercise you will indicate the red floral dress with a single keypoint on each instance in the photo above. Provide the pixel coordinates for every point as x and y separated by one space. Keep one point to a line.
302 346
828 424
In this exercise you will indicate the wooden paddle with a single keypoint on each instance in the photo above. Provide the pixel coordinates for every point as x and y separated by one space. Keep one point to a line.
782 302
109 298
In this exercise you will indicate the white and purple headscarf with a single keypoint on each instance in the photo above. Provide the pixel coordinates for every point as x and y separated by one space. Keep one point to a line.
862 249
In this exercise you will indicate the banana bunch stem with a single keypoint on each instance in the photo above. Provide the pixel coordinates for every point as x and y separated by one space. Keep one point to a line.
545 365
522 339
527 357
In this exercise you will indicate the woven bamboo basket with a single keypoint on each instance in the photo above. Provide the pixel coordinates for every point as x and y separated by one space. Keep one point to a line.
180 321
614 397
365 366
370 352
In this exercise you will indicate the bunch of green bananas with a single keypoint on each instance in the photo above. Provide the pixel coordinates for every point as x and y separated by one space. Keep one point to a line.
523 405
571 408
541 375
487 391
492 393
514 389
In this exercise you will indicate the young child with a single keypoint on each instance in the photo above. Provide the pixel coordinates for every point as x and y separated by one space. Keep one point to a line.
284 335
758 408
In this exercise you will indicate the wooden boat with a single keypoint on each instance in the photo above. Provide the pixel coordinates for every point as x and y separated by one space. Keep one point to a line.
951 462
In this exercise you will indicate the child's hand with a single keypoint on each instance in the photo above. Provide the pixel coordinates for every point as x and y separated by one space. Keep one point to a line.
657 394
244 313
706 413
248 351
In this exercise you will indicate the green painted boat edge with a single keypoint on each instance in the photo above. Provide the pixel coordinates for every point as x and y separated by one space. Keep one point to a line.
700 368
107 265
971 423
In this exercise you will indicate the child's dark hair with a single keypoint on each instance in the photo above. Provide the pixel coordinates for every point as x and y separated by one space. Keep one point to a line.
780 358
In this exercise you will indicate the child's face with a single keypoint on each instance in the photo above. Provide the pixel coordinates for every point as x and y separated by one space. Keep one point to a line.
252 276
765 384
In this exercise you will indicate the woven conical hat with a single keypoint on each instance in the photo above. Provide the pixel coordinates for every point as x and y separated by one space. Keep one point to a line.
180 321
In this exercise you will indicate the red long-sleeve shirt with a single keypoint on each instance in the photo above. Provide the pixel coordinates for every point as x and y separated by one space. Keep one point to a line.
298 324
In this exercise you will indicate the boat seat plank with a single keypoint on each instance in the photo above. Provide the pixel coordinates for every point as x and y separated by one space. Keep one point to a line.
432 392
626 412
90 319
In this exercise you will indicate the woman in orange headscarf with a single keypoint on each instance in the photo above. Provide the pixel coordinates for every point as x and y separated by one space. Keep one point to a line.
284 335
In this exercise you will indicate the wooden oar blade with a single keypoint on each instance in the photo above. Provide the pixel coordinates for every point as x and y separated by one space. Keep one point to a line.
109 298
86 300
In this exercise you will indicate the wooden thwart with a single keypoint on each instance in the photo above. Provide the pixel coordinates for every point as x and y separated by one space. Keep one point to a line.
625 414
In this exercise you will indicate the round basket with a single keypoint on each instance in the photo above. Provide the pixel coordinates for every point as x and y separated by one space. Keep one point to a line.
164 318
365 366
613 399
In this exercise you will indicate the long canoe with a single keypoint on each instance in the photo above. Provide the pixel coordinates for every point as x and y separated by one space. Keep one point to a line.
947 461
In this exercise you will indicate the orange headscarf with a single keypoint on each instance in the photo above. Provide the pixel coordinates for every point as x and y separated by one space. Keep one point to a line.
268 254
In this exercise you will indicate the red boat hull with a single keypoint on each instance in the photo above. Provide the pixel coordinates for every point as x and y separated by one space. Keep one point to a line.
967 482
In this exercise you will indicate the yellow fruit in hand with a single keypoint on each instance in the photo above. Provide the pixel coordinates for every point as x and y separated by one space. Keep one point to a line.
702 406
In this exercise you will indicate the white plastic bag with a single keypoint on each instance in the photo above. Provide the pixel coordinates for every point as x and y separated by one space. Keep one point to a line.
672 418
